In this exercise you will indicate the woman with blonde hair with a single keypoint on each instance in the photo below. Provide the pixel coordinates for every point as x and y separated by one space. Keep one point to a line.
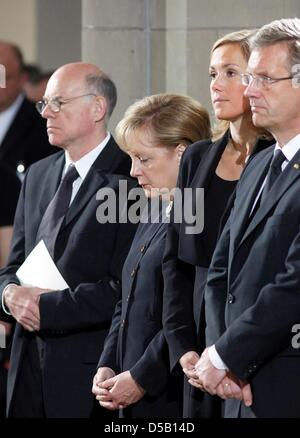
217 169
134 369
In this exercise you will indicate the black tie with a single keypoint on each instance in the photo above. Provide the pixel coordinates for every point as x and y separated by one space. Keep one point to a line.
56 210
273 173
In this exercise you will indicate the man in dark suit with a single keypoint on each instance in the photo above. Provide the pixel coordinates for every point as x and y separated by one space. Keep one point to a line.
59 334
252 294
23 137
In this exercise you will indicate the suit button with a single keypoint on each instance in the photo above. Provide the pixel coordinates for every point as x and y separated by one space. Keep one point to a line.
127 299
123 323
133 273
231 299
142 249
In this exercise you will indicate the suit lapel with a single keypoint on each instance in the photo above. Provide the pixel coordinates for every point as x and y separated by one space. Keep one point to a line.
290 174
248 196
95 179
52 182
92 183
210 159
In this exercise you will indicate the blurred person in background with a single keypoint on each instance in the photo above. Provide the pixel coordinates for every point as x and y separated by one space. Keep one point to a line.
9 193
36 82
23 135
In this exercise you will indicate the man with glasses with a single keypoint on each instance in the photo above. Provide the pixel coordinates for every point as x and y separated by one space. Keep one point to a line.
253 291
23 137
59 334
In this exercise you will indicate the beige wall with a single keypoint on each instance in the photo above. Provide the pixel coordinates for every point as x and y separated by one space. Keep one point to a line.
147 46
152 46
59 32
48 31
18 24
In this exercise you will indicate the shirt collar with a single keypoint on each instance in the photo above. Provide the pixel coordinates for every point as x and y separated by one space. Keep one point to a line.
85 163
7 116
291 148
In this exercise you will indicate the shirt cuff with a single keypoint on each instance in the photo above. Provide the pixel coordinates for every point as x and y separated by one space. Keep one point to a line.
216 359
5 309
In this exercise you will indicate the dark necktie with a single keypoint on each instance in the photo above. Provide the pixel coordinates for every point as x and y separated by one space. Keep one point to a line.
56 210
273 173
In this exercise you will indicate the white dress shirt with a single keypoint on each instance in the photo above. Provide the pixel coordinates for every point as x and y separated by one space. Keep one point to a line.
84 164
7 116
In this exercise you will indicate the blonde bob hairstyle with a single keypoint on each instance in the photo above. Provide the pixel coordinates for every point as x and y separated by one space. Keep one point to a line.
170 120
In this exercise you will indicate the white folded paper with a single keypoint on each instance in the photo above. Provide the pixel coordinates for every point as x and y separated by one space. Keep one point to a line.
39 270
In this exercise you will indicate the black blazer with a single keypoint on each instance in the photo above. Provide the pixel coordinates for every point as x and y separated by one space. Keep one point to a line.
136 341
185 251
26 140
90 255
252 295
9 192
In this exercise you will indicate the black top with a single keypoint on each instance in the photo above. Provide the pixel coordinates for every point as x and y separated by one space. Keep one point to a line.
220 191
9 193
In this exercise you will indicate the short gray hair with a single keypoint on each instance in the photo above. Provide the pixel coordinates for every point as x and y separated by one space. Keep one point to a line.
286 30
102 85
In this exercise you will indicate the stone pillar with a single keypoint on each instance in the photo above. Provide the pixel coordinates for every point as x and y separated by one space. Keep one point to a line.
58 32
113 38
18 25
153 46
206 21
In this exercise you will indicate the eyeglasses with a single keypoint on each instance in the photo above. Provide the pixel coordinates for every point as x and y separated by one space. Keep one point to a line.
56 104
261 81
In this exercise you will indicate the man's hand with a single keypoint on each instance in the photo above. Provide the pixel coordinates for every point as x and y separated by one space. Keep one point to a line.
230 388
122 391
103 373
221 382
23 304
233 387
188 362
209 376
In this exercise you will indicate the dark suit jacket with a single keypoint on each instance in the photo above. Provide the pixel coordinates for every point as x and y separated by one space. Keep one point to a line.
252 295
187 256
26 140
90 255
186 260
136 341
9 192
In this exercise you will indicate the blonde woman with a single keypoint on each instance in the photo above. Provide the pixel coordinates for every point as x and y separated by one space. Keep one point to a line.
134 370
217 170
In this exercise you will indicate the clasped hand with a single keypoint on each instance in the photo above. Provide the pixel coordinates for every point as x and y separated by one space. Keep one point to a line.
23 304
223 383
116 391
